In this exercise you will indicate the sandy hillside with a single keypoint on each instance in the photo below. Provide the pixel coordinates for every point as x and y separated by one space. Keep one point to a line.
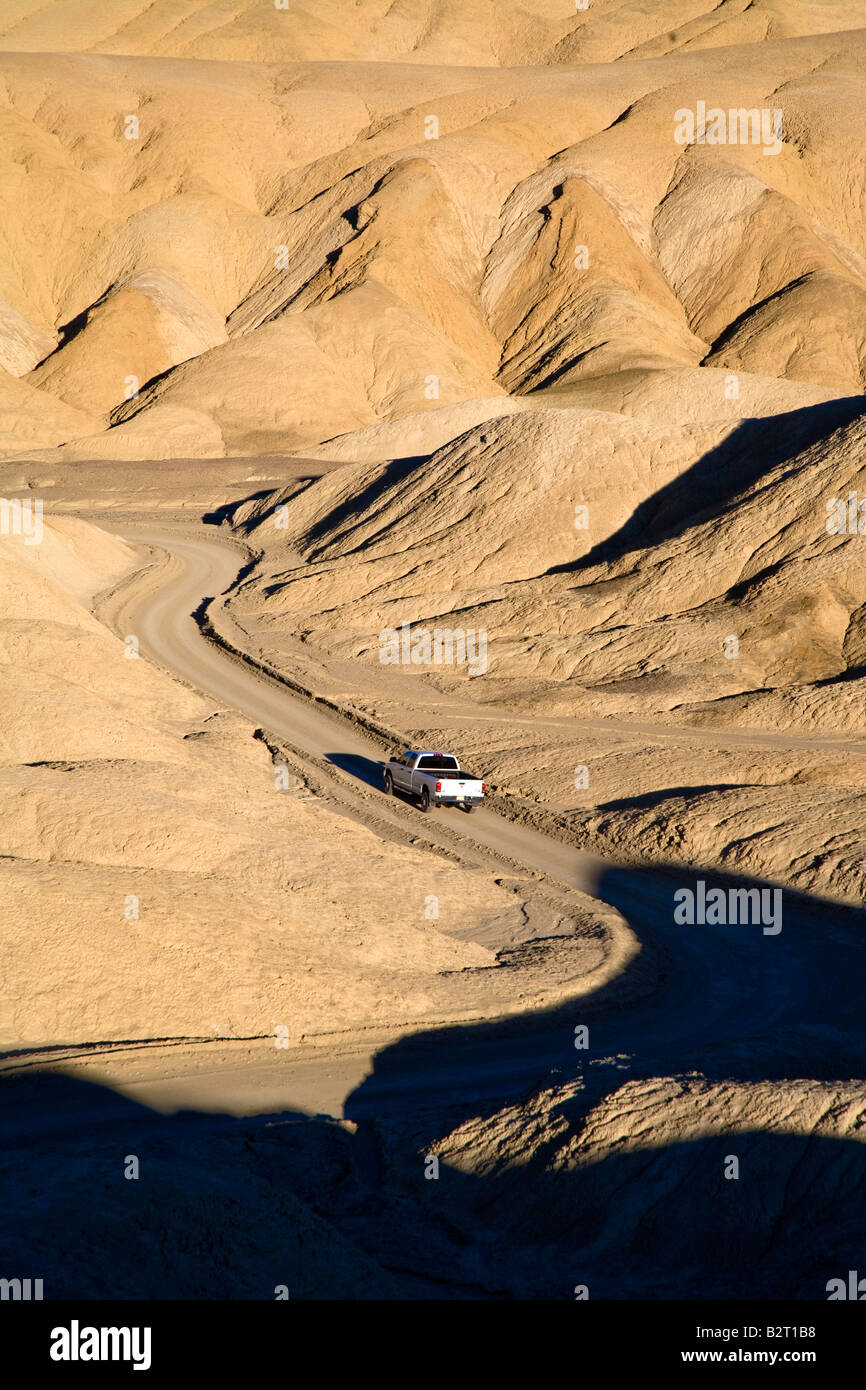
423 31
433 315
213 254
599 639
149 836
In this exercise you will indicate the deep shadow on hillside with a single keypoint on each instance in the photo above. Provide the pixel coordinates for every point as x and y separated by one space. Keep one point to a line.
234 1208
707 489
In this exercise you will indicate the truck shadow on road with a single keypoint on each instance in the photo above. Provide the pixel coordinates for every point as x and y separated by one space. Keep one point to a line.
366 770
371 773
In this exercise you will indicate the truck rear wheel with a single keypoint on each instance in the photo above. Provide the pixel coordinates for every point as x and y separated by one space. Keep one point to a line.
389 784
425 798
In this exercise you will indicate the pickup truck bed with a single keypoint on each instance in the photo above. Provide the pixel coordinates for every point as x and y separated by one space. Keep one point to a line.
433 779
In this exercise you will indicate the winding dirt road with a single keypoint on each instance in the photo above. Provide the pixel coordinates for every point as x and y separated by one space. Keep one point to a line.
729 999
205 566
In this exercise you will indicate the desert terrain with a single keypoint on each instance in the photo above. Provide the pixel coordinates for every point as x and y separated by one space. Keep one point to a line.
325 329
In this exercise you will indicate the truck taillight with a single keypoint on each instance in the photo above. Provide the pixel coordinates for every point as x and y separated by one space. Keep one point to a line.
484 786
438 786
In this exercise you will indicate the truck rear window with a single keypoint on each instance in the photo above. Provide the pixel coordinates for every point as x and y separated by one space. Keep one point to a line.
434 763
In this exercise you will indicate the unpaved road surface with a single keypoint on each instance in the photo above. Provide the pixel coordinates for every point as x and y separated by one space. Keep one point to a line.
769 1004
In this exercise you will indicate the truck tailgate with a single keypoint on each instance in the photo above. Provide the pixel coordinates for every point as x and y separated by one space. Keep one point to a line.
455 790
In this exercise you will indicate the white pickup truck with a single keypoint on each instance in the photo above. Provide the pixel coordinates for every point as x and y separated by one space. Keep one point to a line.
434 779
